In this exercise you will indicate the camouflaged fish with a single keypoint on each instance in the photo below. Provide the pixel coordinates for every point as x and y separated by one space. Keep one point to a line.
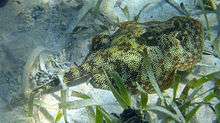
171 46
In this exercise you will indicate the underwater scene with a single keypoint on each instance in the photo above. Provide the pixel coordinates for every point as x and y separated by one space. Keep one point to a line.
109 61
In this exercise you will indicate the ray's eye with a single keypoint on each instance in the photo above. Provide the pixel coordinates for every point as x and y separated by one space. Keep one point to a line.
3 3
100 42
177 24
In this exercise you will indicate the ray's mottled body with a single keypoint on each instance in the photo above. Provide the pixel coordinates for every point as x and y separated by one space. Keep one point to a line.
170 46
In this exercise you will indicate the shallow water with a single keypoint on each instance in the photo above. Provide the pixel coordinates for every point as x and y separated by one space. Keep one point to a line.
65 26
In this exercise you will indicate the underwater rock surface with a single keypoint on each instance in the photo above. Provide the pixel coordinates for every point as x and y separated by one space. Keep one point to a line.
3 3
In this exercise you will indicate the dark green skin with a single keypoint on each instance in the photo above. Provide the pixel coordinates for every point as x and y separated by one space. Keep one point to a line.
169 46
